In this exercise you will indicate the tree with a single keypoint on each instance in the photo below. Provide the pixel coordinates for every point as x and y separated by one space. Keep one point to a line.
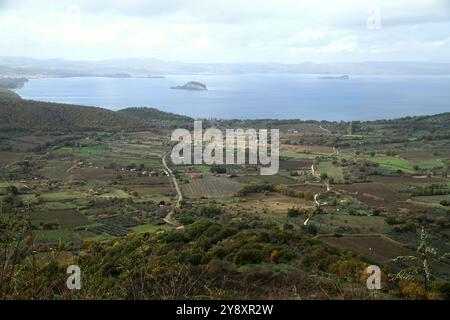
419 269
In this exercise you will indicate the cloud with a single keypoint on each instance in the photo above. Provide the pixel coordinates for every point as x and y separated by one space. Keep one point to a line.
225 30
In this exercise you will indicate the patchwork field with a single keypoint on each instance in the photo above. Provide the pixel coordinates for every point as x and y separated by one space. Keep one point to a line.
270 204
211 187
63 218
378 249
379 195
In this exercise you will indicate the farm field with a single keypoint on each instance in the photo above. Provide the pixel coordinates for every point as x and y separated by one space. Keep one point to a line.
66 219
150 228
298 155
397 163
379 195
211 187
305 149
378 249
276 179
339 201
271 204
331 170
347 224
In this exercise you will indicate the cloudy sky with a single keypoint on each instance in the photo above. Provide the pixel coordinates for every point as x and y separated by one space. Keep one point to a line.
288 31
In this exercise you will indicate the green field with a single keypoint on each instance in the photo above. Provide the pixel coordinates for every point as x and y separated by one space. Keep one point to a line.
151 228
54 235
397 163
331 170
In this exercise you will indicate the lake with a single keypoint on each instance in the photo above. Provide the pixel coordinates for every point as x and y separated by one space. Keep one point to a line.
256 96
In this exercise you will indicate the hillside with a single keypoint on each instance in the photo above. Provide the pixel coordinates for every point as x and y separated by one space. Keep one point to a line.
12 83
8 95
16 113
157 117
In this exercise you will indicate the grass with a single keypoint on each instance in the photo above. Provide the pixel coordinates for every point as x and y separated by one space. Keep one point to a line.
55 169
429 163
65 218
151 228
331 170
83 152
364 224
56 206
397 163
61 196
393 163
54 235
116 193
432 199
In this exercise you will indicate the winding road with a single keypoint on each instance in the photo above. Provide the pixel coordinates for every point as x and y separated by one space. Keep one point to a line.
168 219
316 201
324 129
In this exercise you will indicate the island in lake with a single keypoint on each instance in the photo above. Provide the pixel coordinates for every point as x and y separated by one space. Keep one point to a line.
343 77
191 85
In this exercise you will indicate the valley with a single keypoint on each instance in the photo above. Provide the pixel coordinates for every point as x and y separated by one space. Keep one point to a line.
82 184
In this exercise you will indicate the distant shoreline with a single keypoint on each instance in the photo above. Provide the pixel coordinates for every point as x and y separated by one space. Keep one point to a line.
255 96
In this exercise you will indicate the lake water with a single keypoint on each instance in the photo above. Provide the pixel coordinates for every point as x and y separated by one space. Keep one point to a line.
256 96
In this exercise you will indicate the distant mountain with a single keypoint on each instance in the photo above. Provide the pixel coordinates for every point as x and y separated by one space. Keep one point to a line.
19 114
28 67
343 77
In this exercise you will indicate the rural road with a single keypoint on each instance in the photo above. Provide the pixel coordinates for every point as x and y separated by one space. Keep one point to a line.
168 219
326 130
316 201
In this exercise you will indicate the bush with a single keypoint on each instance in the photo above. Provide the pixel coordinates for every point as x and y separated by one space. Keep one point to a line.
391 220
309 229
256 188
293 212
244 256
216 168
444 290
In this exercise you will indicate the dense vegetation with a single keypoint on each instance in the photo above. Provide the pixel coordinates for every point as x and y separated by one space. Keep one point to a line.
87 186
159 118
19 114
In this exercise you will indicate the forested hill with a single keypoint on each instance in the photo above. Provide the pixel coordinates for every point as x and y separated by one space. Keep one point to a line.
20 114
8 96
159 118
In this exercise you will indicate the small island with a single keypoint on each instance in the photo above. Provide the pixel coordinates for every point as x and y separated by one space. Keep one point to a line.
191 85
343 77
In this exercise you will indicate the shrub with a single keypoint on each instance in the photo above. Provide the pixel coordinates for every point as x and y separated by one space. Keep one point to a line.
256 188
216 168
